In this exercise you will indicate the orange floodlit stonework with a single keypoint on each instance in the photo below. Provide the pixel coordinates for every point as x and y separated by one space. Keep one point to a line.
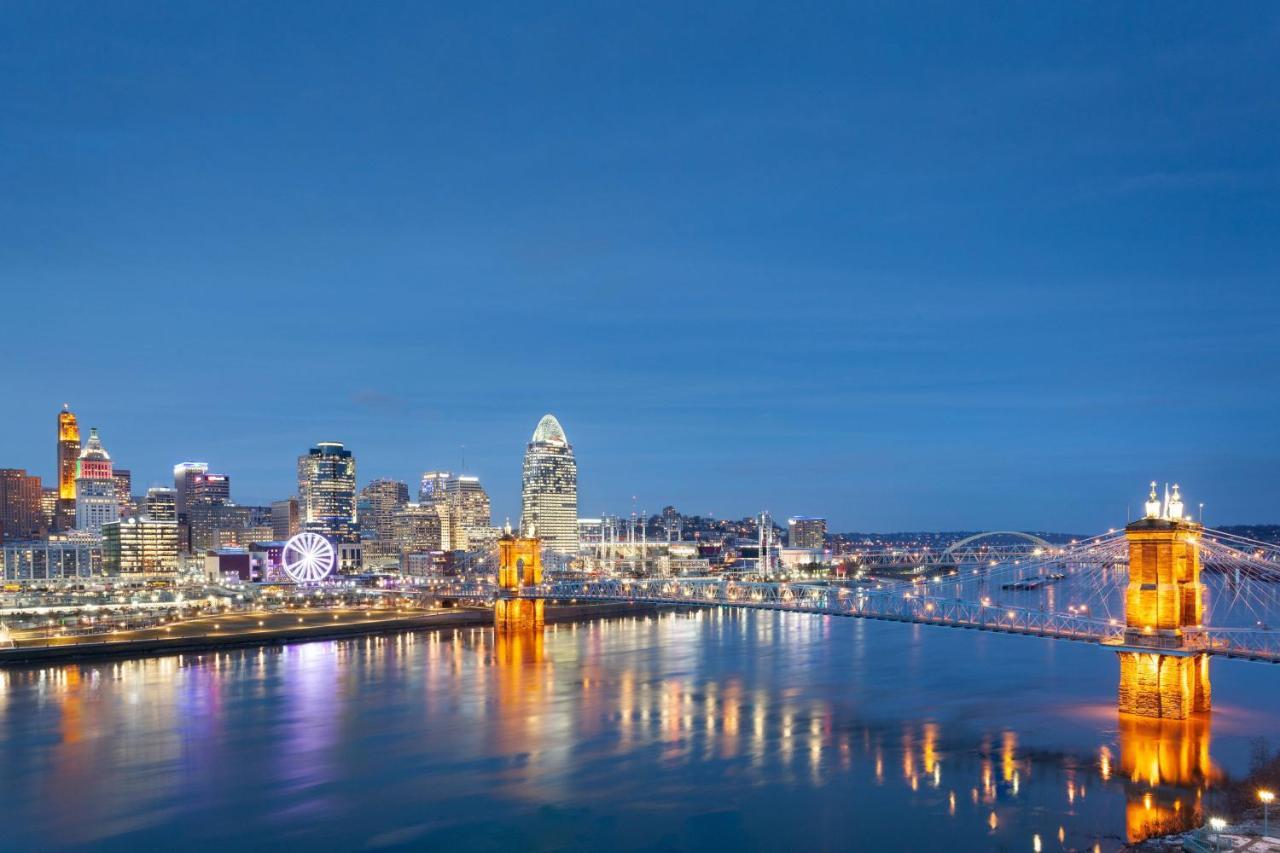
519 565
1161 674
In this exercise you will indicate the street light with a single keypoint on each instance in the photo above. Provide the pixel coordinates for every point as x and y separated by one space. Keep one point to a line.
1218 824
1266 797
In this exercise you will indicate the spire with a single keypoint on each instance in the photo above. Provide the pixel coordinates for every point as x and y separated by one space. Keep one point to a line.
1153 502
1175 505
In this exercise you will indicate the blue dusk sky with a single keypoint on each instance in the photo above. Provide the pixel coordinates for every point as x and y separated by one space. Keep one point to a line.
945 265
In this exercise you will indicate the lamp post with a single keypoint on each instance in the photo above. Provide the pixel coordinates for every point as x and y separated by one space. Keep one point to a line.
1218 824
1266 797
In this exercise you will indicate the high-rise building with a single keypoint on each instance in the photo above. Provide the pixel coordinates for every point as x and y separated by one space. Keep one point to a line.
21 513
284 519
96 502
549 490
68 454
463 506
327 492
161 504
183 473
379 502
212 518
124 491
805 531
49 507
416 529
140 547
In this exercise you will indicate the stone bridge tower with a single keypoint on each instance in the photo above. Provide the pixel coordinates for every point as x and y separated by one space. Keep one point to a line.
519 565
1163 671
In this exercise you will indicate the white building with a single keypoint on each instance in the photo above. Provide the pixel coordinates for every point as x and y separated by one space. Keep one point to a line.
96 501
549 493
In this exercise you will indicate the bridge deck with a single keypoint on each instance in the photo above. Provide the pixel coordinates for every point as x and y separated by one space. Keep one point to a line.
896 604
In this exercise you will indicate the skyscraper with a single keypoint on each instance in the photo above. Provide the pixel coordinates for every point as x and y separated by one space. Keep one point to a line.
68 454
327 491
210 512
183 473
376 507
124 491
462 504
549 492
96 502
21 514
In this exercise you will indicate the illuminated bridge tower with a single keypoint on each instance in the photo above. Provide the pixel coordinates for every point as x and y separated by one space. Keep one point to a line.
1162 672
519 565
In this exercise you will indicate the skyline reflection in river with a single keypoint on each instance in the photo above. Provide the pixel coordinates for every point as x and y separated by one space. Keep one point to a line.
681 731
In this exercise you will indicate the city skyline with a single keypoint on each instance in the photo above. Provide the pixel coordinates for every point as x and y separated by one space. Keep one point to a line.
549 425
792 269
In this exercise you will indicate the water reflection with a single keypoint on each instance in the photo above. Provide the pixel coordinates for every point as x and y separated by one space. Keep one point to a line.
1167 767
626 733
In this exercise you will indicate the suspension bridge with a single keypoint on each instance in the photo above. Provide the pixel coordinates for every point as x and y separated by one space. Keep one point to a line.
1083 591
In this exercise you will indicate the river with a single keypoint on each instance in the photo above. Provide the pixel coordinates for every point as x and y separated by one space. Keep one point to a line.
700 730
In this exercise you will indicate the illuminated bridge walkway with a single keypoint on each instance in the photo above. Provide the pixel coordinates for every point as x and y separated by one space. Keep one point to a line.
1074 592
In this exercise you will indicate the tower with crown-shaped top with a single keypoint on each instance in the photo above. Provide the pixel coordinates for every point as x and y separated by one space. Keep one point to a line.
1163 673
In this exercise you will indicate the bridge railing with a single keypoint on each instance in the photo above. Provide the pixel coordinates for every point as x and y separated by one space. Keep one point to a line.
893 604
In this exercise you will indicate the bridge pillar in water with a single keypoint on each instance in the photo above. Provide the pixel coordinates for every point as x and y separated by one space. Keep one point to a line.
1161 674
519 565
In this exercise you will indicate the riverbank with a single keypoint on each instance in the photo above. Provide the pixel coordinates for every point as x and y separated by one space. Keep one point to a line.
253 634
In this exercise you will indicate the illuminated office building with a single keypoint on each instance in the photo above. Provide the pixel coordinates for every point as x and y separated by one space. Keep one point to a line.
549 489
327 492
21 512
124 491
183 474
140 547
416 529
161 504
463 504
285 522
96 502
64 517
807 532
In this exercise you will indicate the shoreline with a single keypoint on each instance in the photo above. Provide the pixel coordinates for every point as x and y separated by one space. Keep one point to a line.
468 618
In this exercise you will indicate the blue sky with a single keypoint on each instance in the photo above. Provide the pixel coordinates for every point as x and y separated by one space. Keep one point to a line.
905 265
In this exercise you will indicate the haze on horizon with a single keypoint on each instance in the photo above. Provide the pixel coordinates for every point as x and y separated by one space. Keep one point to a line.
908 266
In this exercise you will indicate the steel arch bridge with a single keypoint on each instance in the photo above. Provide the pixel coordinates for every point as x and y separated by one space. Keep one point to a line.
963 545
1242 619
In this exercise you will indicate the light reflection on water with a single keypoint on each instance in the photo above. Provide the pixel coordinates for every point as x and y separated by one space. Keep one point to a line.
757 730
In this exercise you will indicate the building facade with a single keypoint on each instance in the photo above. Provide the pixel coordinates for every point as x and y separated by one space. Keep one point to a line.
549 489
284 519
50 559
161 504
417 529
463 506
21 506
124 491
805 531
327 492
96 502
140 547
64 516
183 474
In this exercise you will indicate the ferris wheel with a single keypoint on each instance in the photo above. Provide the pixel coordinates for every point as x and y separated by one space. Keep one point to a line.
307 557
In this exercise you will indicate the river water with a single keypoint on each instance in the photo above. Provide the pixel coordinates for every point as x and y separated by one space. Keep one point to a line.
705 730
